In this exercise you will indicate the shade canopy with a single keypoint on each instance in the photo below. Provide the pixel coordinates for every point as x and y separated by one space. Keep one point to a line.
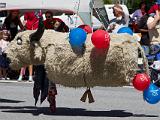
81 7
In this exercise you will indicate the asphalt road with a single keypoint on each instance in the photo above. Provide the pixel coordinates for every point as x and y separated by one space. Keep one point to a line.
119 103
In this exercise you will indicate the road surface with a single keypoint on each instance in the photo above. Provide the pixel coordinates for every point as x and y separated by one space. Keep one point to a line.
111 103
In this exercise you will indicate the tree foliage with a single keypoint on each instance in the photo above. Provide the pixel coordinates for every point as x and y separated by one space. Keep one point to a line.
107 1
131 4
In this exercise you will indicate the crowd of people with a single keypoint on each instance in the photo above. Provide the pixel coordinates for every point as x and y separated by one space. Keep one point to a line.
13 24
31 22
145 20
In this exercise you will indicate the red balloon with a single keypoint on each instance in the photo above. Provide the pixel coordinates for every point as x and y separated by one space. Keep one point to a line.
101 39
86 28
141 81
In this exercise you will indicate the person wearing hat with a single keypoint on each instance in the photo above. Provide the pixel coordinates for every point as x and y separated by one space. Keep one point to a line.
118 21
30 23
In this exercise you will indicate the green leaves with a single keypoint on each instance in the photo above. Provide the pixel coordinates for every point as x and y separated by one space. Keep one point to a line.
131 4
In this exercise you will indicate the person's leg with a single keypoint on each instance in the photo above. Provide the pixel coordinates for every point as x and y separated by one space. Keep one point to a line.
38 78
0 73
4 72
40 84
30 72
52 92
22 72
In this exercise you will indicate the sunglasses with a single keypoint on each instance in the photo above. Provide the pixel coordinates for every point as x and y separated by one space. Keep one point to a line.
48 16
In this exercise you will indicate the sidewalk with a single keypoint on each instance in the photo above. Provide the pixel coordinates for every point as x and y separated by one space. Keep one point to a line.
14 81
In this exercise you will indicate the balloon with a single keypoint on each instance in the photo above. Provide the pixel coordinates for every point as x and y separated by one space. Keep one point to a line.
77 37
125 30
86 28
101 39
141 81
152 94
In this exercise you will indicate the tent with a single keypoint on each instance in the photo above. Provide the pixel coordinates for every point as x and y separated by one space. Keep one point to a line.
81 7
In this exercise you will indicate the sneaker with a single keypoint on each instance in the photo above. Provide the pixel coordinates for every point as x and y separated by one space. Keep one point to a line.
20 78
30 79
7 78
2 78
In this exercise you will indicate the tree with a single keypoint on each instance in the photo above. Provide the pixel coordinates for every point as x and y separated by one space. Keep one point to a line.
107 1
131 4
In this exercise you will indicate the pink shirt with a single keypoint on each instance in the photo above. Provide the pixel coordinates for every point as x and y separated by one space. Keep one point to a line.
3 45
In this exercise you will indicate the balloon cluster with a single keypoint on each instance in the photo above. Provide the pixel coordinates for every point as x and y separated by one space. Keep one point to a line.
142 82
151 93
100 38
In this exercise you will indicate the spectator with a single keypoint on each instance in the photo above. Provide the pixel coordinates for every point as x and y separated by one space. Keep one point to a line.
23 71
140 12
3 61
143 29
54 23
119 21
30 23
12 22
154 29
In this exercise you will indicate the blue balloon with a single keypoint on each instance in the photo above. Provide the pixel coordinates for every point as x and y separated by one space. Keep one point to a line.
77 37
152 94
125 30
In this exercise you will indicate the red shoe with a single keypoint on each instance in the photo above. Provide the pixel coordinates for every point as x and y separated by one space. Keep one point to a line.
52 101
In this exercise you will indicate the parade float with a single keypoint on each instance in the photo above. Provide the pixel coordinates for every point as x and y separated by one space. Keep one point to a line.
77 59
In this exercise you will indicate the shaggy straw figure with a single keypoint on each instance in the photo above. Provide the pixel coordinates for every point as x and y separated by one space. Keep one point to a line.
96 67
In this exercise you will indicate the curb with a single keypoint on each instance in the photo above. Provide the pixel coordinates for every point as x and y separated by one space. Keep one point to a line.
128 86
14 81
25 81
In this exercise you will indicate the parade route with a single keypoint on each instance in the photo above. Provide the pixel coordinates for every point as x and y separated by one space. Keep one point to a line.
111 103
14 81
